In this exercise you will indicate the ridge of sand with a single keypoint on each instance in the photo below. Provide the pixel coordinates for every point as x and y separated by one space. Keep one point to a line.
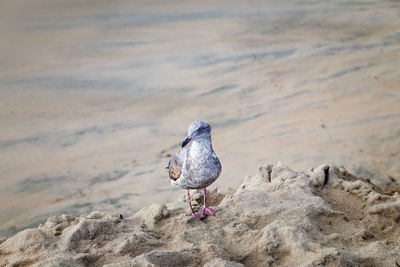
278 217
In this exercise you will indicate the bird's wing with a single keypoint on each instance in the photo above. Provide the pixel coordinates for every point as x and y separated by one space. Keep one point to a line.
176 163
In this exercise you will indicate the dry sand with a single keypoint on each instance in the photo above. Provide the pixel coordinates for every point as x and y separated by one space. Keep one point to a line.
94 95
279 217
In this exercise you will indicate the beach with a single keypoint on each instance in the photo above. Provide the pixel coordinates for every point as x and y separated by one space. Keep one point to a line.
324 216
95 96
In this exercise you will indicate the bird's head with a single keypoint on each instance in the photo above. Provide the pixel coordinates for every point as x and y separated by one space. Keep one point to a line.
197 130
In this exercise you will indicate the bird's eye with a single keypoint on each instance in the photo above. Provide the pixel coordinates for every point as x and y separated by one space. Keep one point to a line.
203 129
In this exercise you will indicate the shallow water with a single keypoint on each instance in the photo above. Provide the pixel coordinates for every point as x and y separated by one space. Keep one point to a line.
95 95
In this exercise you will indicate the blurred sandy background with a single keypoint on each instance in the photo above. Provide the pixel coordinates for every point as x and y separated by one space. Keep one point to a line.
95 95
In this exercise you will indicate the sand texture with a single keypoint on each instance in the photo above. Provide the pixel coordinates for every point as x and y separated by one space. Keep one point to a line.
279 217
95 95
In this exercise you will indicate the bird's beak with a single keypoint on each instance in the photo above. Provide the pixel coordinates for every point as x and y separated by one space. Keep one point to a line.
187 140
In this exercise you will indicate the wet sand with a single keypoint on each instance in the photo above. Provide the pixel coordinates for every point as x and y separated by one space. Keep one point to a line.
95 96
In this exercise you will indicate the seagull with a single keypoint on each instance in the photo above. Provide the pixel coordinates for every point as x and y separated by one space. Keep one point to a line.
196 167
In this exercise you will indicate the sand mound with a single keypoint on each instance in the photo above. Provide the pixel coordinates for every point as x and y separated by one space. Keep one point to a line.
279 217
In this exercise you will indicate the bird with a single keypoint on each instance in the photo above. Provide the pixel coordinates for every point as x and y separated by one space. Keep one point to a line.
196 167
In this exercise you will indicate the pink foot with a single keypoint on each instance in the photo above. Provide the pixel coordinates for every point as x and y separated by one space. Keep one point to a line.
198 216
210 211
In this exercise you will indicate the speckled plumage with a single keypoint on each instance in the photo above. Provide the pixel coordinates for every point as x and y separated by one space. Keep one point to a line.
196 167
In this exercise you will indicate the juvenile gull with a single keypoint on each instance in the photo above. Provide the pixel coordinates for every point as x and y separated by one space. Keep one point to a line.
196 167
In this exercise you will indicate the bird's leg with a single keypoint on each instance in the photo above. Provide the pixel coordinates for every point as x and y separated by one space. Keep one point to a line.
194 214
208 211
